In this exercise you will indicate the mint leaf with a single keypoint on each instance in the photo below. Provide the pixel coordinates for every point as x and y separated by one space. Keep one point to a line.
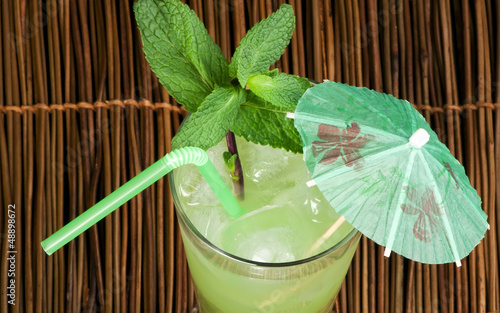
180 51
230 160
280 89
207 126
262 122
263 45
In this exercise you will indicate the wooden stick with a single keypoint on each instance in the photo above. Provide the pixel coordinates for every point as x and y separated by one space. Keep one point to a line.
356 44
15 119
50 195
491 251
7 197
364 43
338 43
364 276
329 40
57 156
341 14
149 260
60 264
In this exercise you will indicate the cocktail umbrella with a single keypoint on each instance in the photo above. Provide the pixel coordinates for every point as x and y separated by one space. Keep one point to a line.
380 165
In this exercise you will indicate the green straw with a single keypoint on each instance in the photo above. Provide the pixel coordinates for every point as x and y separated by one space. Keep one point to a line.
137 184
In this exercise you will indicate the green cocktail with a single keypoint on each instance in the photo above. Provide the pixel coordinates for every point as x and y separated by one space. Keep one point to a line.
262 261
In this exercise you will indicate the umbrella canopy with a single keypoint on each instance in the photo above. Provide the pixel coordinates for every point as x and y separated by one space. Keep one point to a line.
380 165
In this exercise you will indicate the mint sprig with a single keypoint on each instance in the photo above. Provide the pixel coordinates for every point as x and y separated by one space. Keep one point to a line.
180 51
193 69
263 45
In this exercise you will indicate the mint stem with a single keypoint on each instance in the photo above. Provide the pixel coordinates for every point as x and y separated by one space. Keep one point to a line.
239 187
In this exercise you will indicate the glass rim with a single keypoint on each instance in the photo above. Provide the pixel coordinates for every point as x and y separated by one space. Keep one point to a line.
180 213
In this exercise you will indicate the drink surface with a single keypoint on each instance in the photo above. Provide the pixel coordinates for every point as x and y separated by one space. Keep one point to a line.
285 217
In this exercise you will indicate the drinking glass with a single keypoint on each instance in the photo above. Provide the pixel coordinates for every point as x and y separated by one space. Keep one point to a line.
225 283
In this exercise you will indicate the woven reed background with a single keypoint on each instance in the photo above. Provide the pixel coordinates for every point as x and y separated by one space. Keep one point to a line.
81 113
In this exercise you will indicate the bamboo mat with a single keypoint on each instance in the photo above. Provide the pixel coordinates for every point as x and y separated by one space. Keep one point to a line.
81 113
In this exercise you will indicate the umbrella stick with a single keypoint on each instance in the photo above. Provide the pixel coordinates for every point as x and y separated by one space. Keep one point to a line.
329 232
